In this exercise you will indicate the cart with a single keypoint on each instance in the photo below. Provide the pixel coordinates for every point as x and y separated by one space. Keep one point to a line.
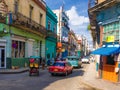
34 65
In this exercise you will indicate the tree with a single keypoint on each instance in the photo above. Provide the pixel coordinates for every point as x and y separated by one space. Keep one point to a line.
88 27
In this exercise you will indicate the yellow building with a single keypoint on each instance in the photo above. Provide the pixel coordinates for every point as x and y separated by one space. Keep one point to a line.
33 9
23 32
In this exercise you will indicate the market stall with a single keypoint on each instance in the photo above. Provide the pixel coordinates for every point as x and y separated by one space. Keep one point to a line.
109 61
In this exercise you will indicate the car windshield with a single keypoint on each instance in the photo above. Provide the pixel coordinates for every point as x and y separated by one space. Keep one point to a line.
59 64
73 59
86 57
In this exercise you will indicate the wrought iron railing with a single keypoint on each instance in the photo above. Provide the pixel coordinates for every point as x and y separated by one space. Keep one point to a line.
51 34
92 3
22 21
2 18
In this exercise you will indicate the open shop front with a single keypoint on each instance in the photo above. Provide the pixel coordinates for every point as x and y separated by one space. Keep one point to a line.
109 62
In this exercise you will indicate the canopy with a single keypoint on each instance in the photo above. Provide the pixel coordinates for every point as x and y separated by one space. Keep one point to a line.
106 50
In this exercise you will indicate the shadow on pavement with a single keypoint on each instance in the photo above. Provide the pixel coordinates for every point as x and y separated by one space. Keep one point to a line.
24 81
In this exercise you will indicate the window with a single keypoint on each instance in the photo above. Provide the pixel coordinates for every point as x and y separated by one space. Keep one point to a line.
48 56
54 29
59 64
31 11
40 48
41 15
110 60
16 6
49 25
18 49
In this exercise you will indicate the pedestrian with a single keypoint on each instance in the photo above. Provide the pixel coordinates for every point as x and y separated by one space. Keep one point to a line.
43 64
40 60
48 62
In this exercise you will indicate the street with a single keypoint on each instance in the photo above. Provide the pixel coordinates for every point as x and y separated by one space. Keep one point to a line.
44 81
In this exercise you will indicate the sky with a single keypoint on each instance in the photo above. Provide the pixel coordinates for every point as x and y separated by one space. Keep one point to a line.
76 10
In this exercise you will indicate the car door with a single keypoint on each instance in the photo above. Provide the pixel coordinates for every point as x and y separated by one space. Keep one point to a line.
69 67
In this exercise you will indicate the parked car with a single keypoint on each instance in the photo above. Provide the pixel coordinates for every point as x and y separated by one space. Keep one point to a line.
85 59
60 67
75 61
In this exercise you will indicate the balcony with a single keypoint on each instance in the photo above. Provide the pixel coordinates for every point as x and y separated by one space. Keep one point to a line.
2 18
101 5
92 3
51 34
25 23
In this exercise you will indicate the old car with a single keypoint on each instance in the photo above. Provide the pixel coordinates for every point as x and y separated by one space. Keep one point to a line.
75 61
60 67
85 59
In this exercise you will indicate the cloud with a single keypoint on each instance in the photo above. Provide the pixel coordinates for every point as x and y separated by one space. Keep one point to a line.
75 19
78 23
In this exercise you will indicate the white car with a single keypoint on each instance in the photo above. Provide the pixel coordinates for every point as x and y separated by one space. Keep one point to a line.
85 60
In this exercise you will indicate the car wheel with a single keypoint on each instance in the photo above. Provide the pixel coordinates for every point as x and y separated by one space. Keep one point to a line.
29 74
38 73
52 74
66 73
79 66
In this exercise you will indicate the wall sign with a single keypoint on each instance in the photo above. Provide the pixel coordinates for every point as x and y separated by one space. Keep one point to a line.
110 39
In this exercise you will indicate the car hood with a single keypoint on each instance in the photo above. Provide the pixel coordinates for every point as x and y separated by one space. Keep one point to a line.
73 61
58 67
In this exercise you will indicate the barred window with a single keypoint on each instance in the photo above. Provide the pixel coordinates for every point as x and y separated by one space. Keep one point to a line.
18 49
49 25
16 6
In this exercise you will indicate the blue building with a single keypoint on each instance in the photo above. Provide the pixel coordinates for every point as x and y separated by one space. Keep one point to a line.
63 30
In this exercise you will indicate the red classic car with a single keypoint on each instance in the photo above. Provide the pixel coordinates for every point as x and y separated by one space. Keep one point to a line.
60 67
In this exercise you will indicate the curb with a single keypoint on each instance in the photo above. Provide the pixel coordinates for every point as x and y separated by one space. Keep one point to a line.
17 71
14 72
89 85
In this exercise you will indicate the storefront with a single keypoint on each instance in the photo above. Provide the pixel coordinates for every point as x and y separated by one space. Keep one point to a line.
17 46
109 62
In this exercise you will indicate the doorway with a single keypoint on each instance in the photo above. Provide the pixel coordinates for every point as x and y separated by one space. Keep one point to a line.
2 57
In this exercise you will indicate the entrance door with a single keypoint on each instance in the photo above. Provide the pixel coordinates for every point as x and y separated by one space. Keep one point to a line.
2 57
30 48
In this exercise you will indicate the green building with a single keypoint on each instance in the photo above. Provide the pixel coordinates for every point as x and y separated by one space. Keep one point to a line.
22 32
18 42
51 39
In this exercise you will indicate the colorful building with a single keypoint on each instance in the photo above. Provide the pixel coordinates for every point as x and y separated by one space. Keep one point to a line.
22 27
51 38
104 16
62 30
73 45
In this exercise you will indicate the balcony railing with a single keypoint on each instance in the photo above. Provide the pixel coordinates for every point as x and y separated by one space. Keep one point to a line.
25 23
92 3
51 34
2 18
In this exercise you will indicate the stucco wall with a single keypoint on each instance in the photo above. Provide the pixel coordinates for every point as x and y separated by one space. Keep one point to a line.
100 1
24 8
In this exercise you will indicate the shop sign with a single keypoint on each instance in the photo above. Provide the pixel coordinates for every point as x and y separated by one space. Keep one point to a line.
110 39
59 44
63 50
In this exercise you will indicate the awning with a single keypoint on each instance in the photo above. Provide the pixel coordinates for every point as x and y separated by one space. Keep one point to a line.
106 50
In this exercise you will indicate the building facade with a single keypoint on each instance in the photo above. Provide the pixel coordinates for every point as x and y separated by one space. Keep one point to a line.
62 30
73 45
108 26
51 38
23 32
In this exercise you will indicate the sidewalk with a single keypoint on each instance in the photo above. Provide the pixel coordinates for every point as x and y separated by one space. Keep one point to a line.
13 71
90 78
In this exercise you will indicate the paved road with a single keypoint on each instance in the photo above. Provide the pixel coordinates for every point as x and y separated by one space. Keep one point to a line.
44 81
